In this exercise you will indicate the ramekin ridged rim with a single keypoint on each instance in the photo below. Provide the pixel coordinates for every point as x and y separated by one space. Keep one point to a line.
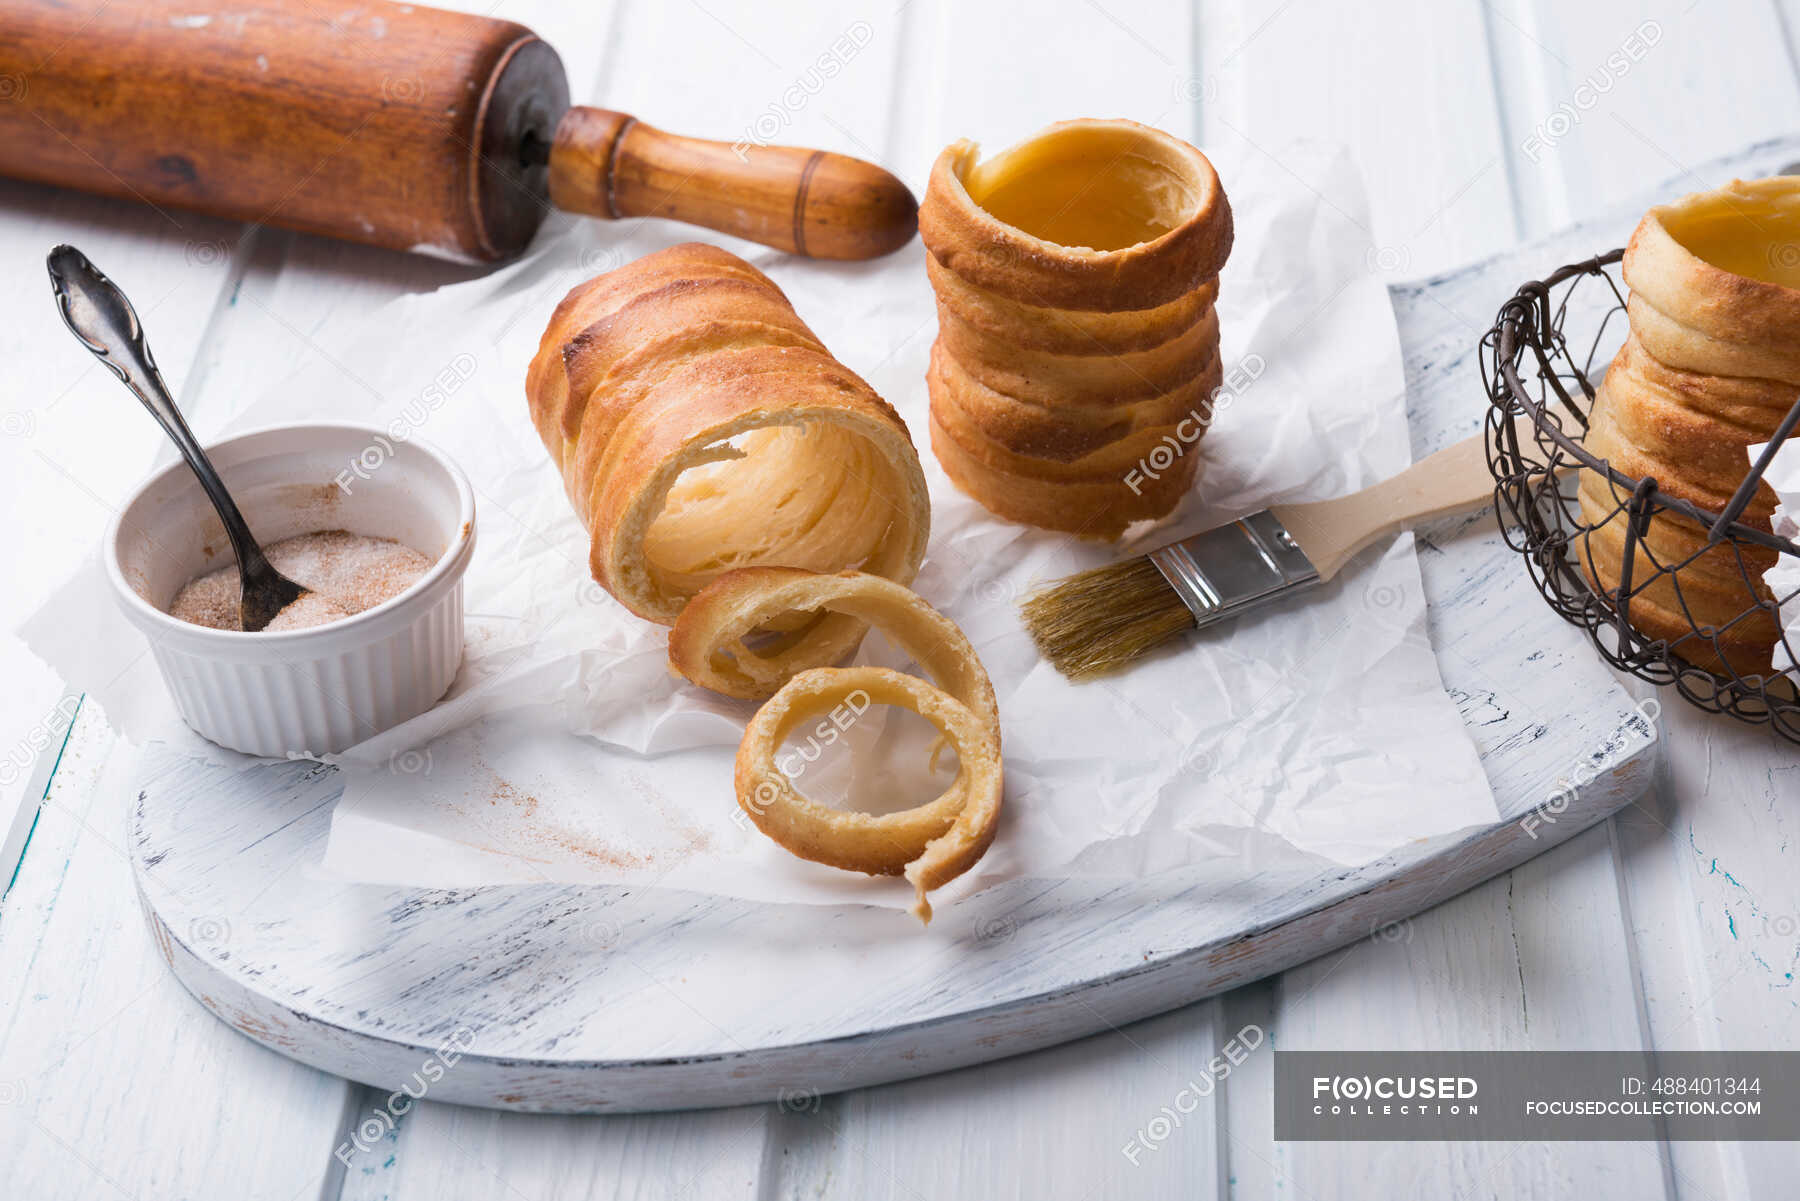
371 623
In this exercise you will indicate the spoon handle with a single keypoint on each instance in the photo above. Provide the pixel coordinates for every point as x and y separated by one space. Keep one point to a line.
97 312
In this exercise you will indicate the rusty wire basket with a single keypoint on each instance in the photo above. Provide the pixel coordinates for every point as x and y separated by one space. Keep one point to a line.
1540 363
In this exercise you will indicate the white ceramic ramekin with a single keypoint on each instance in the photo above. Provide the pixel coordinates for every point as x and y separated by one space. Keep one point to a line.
316 690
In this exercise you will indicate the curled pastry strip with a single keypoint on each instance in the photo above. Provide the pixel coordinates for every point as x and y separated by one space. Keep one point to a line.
708 644
931 844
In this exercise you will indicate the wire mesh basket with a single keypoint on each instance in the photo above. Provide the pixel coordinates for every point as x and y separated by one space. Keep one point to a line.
1541 362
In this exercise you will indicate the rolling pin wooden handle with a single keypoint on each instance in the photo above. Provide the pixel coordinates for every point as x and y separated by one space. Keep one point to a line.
810 202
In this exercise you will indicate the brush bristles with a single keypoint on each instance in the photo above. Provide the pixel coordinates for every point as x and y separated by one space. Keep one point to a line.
1100 620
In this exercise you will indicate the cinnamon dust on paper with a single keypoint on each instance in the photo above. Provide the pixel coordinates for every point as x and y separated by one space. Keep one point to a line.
496 790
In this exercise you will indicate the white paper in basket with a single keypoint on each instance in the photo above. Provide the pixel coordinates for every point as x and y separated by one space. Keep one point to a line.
1783 576
567 751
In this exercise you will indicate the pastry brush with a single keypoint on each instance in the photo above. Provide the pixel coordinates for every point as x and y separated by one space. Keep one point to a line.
1100 620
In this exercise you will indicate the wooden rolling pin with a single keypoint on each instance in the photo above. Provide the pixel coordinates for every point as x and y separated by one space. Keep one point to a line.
390 124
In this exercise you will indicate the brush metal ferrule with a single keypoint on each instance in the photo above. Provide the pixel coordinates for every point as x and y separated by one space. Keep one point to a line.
1224 571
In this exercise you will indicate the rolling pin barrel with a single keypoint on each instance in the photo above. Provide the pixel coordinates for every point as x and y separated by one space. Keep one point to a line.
394 125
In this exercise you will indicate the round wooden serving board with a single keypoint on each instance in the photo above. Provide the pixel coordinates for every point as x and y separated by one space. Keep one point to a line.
589 999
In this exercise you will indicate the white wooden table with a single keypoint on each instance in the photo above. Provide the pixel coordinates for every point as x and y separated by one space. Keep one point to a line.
1477 125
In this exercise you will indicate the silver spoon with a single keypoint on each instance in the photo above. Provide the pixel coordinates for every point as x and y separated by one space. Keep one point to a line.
99 315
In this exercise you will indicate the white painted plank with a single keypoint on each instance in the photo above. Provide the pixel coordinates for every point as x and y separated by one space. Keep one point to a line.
1603 100
453 1153
1513 965
1716 907
1130 1113
1254 1163
1402 83
997 79
114 1080
823 75
1669 947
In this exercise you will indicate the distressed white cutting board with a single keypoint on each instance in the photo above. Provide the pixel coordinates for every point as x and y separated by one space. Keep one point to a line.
590 999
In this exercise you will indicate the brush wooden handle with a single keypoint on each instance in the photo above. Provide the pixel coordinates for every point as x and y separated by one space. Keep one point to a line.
1332 531
811 202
